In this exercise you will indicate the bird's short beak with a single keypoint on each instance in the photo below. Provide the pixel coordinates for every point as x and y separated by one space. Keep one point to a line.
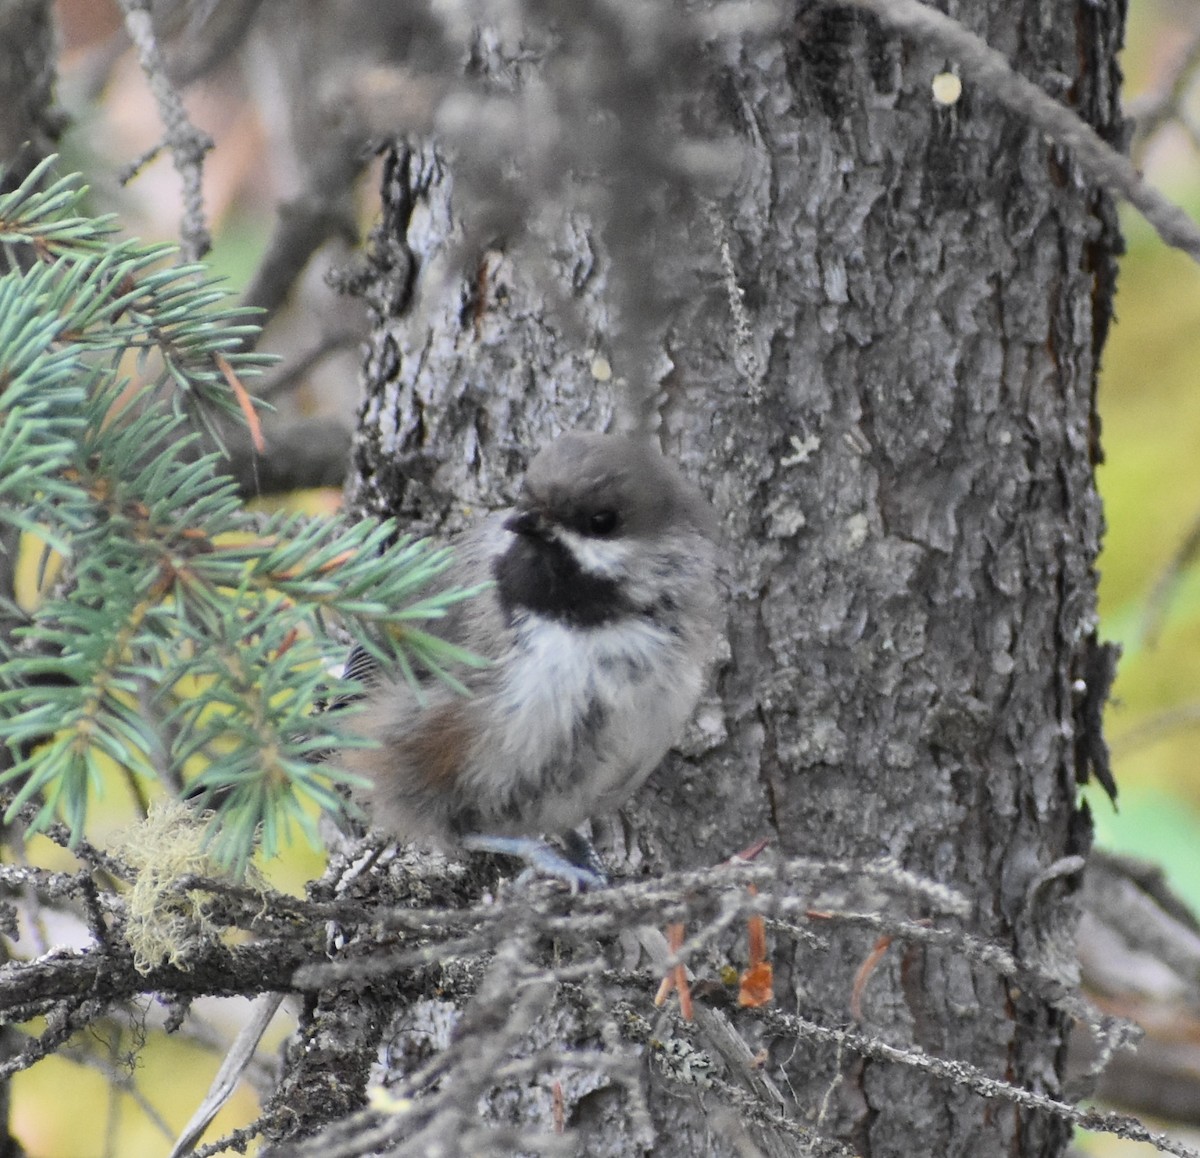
526 522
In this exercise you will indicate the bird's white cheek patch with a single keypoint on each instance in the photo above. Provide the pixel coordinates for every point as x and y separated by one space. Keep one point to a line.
608 558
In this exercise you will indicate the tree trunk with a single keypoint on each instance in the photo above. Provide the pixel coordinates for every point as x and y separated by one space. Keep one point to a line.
29 121
877 351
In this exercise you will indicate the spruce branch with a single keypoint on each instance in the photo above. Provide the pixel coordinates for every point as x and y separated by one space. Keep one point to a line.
186 631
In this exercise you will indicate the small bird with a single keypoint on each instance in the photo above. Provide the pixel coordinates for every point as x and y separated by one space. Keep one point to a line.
599 627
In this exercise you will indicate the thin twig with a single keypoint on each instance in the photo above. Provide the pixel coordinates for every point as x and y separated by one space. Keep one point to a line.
187 143
994 75
1152 112
292 373
964 1074
122 1080
1159 601
1161 726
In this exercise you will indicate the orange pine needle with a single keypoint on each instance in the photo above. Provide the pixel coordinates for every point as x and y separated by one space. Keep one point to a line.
243 400
288 640
757 984
757 929
686 1010
750 851
869 965
558 1110
336 562
676 977
664 988
333 564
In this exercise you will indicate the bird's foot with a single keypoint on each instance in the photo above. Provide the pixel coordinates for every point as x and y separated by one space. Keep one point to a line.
580 851
545 860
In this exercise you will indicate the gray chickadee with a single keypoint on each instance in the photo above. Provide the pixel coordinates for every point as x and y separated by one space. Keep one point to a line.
599 628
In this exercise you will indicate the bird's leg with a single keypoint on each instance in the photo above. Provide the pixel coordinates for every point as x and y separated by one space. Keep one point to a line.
543 859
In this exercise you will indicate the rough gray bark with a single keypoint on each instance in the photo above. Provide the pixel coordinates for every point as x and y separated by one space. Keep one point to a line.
29 120
878 353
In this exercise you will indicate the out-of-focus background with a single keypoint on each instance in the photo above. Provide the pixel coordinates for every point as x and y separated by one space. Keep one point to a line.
1150 403
1150 566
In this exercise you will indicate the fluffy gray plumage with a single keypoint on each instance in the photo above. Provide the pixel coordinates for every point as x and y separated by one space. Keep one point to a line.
599 627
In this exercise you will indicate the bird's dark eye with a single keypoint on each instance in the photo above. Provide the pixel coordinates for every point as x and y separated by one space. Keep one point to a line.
602 522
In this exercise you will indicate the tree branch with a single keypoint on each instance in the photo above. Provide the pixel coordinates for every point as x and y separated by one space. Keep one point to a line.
188 144
993 73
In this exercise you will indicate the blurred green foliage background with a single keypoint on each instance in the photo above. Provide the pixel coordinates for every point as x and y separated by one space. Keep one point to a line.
1150 482
1150 408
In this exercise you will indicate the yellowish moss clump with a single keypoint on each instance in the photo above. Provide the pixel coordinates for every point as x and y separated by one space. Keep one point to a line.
167 924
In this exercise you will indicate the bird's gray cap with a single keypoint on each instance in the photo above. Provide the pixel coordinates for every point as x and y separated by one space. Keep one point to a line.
625 473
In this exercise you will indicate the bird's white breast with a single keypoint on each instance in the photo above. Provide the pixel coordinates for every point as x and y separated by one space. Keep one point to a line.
581 716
